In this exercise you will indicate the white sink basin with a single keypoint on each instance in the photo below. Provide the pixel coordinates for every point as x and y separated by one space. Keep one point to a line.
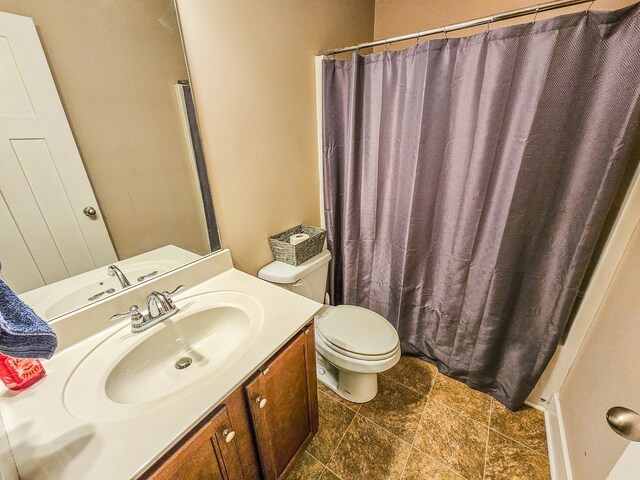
129 373
203 340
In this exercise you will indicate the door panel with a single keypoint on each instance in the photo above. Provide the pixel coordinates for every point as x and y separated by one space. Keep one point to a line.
227 450
605 373
19 269
208 454
14 100
43 182
237 409
283 404
49 193
25 212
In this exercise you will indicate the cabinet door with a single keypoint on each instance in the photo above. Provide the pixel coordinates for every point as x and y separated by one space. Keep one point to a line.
208 454
283 403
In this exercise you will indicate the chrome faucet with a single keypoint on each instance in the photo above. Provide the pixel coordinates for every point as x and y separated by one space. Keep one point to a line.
159 304
160 307
114 271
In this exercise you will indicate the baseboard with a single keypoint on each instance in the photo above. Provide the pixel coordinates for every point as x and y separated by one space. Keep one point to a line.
557 442
537 406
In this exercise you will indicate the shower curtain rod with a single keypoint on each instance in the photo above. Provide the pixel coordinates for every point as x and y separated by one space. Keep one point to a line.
520 12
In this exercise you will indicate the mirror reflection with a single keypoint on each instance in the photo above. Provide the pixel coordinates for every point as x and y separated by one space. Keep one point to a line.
102 182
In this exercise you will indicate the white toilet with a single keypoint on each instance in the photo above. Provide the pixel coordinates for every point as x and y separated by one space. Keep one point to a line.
353 344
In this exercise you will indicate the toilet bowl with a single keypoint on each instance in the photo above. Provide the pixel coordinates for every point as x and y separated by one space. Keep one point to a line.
353 344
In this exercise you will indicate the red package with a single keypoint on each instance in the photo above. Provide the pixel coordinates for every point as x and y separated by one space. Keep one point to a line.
20 373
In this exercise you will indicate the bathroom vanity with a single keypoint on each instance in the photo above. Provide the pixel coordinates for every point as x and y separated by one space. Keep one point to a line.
225 388
259 430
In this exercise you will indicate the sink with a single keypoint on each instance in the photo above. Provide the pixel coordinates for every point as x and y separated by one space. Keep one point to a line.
203 340
129 373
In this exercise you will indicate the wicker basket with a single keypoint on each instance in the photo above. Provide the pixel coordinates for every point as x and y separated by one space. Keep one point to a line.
300 253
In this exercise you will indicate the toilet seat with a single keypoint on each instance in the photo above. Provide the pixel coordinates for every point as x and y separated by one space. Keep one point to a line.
358 333
336 349
350 363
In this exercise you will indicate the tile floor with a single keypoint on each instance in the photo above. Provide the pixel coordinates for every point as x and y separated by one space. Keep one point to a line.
424 426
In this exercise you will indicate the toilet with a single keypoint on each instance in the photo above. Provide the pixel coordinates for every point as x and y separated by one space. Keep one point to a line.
353 344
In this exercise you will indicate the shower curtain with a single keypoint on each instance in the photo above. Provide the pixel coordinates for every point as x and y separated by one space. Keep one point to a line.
466 182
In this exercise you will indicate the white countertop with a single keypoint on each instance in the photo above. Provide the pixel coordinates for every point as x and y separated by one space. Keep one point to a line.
48 442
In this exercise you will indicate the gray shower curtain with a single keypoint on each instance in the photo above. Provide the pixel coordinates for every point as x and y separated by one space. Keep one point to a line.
467 181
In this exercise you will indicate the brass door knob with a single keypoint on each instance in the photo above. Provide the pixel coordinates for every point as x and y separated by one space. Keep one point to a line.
90 212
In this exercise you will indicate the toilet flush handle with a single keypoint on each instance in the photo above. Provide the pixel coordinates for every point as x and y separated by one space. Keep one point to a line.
299 283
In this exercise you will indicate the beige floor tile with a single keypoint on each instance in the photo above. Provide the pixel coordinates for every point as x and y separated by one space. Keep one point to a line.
334 420
458 396
306 468
396 408
413 373
510 460
369 452
326 390
453 439
526 425
423 467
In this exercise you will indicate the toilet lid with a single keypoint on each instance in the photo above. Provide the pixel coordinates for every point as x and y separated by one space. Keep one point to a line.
358 330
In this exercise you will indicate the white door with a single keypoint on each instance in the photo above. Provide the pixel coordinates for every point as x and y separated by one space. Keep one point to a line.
605 371
44 188
628 465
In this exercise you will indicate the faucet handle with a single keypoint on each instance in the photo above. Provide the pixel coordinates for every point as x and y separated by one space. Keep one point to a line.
136 316
166 294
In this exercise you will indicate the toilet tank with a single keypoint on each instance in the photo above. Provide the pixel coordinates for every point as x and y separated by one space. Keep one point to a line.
308 279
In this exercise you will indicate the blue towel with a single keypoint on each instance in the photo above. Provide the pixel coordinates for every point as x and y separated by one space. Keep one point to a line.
22 333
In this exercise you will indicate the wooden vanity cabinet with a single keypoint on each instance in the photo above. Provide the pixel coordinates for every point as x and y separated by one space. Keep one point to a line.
259 430
283 403
210 453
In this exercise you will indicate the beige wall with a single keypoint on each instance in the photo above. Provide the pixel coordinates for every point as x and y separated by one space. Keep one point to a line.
252 70
115 64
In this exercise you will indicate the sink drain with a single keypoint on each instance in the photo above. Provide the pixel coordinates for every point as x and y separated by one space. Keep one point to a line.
183 363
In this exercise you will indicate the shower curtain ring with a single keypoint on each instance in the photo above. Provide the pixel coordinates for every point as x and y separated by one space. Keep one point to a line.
446 36
418 40
535 15
386 46
491 20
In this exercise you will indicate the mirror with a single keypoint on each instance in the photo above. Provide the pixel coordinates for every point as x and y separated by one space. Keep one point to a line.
103 183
